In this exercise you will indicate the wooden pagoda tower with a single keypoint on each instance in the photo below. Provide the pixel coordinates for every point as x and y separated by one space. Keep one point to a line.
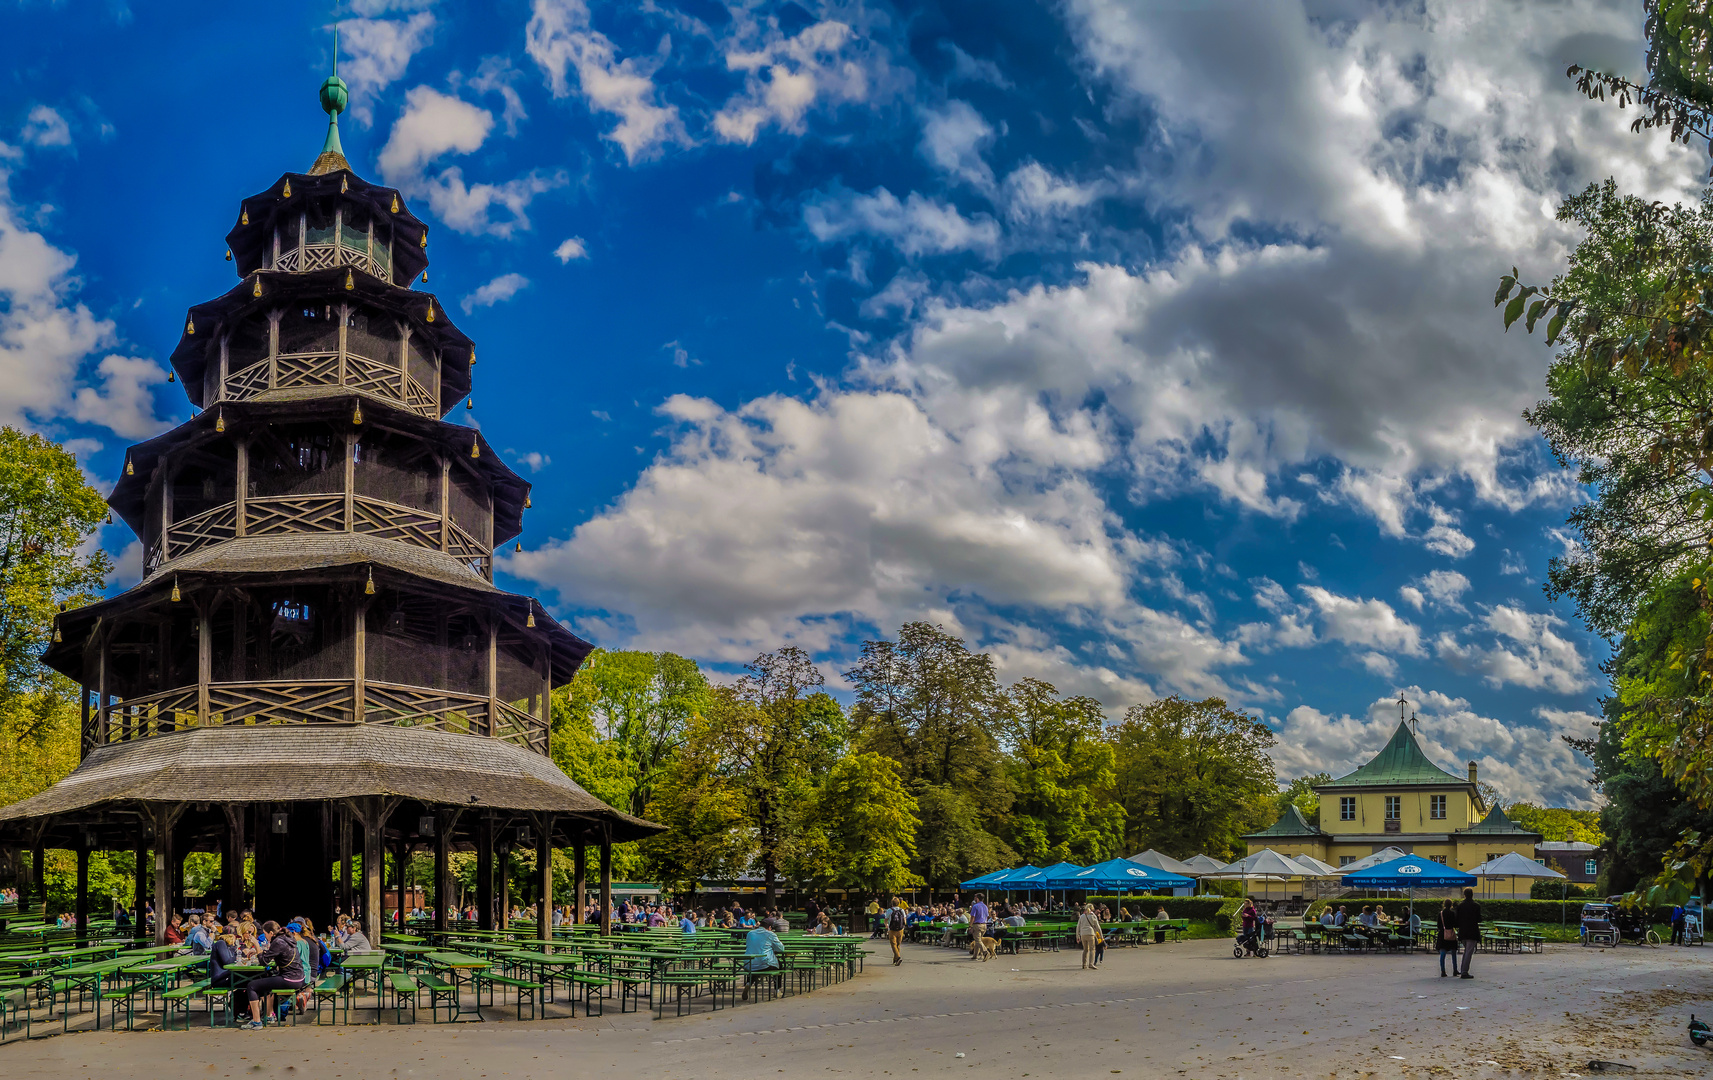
317 661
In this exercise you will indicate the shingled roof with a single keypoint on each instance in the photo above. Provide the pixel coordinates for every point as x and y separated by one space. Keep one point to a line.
1400 762
1496 823
263 763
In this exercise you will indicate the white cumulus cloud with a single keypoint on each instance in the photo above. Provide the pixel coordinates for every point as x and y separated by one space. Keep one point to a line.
562 43
497 291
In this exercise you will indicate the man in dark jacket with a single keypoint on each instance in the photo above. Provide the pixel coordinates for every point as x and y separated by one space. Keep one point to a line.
1468 929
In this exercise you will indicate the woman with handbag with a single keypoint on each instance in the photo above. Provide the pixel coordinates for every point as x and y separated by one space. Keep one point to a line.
1088 934
1445 933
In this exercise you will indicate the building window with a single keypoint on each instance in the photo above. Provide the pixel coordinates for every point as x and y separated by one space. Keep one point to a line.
1436 807
1394 807
1347 808
1346 860
1440 859
1591 868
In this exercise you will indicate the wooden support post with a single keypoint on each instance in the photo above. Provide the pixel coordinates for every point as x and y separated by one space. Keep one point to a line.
83 889
505 870
360 658
342 817
401 869
140 889
165 817
88 737
204 657
241 490
101 665
579 880
442 871
370 814
445 503
350 452
493 676
37 857
485 873
232 857
606 880
544 874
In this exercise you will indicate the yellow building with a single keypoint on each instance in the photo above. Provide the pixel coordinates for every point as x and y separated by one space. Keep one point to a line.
1399 799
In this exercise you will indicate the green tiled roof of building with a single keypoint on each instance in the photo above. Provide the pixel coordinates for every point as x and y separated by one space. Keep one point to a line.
1400 762
1290 823
1497 824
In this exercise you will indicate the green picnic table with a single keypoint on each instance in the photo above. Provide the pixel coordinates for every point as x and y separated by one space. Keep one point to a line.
152 950
463 968
86 978
146 978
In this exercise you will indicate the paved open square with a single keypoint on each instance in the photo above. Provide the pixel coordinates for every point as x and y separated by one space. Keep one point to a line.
1184 1010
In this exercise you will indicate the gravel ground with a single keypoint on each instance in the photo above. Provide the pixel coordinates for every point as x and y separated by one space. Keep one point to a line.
1185 1009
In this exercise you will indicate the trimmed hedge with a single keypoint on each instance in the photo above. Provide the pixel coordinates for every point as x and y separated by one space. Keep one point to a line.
1195 908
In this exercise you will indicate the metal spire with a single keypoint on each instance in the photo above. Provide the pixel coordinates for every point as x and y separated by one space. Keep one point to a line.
335 95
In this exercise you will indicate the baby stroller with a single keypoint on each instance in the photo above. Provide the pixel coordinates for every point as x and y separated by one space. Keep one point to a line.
1251 942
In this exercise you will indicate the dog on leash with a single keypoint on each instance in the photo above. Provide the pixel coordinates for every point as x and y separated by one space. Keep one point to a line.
982 948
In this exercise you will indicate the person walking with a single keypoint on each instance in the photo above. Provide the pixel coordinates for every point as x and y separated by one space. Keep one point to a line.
1445 933
978 927
1468 929
1088 932
1677 924
895 922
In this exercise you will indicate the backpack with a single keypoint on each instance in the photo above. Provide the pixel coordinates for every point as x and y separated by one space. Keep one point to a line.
895 919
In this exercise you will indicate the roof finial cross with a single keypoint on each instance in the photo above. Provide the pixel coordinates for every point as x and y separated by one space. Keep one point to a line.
1403 703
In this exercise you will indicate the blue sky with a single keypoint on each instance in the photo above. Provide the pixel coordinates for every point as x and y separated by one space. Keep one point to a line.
1147 345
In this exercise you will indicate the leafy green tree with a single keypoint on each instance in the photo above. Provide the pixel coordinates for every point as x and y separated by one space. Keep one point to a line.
1557 823
703 811
1193 776
619 722
951 843
934 707
868 819
1300 793
1060 766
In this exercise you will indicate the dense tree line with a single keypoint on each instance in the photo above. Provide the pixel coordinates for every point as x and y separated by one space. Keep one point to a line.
934 773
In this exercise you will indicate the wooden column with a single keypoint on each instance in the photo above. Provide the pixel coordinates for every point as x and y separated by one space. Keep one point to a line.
493 676
544 874
204 658
370 814
606 881
505 870
360 657
445 503
485 873
140 889
343 823
232 857
401 868
101 665
38 856
344 328
165 817
442 851
83 889
241 489
579 880
89 737
350 456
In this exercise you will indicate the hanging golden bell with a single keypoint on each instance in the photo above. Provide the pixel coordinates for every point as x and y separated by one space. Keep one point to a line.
527 503
190 326
286 191
172 376
244 218
475 448
228 254
257 291
395 202
109 519
344 184
469 404
357 413
175 594
57 638
350 280
129 471
425 277
531 622
369 586
431 311
472 357
220 420
519 547
423 243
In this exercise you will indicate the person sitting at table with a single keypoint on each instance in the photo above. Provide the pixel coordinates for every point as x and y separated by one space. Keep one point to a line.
175 930
954 926
823 925
1339 918
748 921
288 974
200 937
1366 919
763 951
355 940
687 925
222 956
1326 916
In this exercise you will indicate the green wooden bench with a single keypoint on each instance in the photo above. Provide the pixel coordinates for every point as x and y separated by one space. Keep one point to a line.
524 988
178 1000
14 1003
403 987
594 986
334 991
441 994
682 984
145 988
